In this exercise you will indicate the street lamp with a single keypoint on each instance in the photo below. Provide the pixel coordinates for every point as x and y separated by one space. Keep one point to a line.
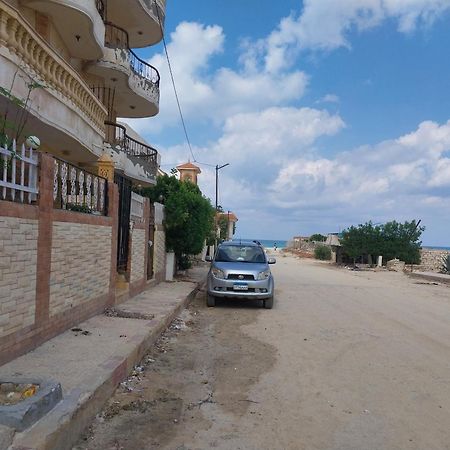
217 179
217 195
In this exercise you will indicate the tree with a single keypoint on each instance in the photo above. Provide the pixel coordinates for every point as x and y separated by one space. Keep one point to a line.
391 240
223 227
322 252
189 215
316 237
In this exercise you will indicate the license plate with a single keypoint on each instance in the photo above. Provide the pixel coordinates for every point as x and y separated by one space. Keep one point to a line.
240 287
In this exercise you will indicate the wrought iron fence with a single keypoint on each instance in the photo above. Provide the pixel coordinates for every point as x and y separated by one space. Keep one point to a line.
116 37
79 190
137 151
18 173
101 8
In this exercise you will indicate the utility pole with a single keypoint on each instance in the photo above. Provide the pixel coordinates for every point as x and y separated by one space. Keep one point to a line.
217 196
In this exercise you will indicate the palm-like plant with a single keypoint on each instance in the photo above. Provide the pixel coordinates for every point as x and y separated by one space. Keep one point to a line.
446 264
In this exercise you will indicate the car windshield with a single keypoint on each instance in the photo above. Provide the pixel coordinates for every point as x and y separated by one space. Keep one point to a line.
238 253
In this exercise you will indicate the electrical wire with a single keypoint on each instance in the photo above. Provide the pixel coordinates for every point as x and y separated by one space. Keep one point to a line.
173 82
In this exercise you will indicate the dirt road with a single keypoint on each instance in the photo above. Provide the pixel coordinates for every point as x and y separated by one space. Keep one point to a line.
345 360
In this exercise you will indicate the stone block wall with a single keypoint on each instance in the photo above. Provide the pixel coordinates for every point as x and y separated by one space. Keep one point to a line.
138 251
431 259
80 264
18 256
159 258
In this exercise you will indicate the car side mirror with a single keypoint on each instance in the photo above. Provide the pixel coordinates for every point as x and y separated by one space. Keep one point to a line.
271 261
208 258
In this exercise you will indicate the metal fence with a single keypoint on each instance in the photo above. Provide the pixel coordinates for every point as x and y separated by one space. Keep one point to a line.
78 190
18 173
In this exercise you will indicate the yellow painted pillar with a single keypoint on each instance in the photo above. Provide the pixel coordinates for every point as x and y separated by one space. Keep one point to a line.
105 167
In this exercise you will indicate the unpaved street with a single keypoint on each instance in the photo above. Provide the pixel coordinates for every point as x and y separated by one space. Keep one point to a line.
345 360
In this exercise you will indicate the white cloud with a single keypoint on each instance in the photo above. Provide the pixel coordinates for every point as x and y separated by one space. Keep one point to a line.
325 24
329 98
212 95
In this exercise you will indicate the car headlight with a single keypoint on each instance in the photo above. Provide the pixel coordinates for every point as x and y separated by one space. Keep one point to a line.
264 275
218 273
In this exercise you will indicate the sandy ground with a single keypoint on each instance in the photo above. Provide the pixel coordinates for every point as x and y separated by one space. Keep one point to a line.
345 360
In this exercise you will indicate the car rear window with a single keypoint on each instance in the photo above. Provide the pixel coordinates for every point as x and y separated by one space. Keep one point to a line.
237 253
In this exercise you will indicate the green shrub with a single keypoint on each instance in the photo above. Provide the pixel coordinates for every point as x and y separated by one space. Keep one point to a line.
446 264
322 252
184 262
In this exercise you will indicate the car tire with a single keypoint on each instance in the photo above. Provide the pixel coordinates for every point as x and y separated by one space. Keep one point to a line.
210 300
268 303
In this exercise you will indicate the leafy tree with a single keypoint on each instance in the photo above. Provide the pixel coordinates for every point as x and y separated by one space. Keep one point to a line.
391 240
189 215
223 227
322 252
316 237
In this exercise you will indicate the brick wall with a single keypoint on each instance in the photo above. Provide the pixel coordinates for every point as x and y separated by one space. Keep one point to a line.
80 264
431 260
138 250
52 260
18 256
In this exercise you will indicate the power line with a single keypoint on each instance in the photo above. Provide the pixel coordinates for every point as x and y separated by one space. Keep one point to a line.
173 83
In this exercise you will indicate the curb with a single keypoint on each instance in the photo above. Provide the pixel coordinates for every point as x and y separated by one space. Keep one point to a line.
64 425
433 278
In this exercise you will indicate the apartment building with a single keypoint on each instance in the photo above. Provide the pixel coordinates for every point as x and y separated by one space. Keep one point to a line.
71 230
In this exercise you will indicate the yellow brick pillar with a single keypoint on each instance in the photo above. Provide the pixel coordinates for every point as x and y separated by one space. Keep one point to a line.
105 167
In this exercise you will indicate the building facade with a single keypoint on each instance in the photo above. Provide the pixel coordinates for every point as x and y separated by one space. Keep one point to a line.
74 239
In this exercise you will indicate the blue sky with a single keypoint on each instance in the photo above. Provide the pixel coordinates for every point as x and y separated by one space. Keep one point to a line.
329 113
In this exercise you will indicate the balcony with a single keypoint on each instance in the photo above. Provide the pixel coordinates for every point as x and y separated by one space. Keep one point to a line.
134 158
141 18
78 22
135 82
65 114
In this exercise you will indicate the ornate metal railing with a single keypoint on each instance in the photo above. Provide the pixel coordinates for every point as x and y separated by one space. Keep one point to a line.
132 147
116 37
101 8
106 95
78 190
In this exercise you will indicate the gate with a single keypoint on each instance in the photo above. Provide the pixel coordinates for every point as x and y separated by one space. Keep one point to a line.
124 185
151 242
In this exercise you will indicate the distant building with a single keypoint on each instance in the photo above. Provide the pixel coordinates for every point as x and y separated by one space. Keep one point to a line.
189 172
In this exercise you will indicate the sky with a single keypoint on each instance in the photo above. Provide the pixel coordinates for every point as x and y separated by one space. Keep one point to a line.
330 113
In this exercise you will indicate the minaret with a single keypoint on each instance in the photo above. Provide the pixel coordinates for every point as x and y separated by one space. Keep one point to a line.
189 172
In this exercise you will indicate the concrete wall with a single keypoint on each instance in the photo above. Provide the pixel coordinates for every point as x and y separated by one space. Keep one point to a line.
80 264
18 256
431 260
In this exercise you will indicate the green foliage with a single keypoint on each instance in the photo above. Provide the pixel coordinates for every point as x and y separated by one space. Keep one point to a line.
322 252
223 226
184 262
391 240
78 208
446 264
189 215
317 238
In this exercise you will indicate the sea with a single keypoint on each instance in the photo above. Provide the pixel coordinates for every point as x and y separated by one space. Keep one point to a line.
270 244
435 248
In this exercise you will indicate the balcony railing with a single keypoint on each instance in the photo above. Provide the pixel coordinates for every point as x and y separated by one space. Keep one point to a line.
116 37
137 151
21 40
101 8
78 190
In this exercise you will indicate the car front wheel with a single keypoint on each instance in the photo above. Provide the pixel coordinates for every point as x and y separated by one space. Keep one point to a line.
210 300
268 303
